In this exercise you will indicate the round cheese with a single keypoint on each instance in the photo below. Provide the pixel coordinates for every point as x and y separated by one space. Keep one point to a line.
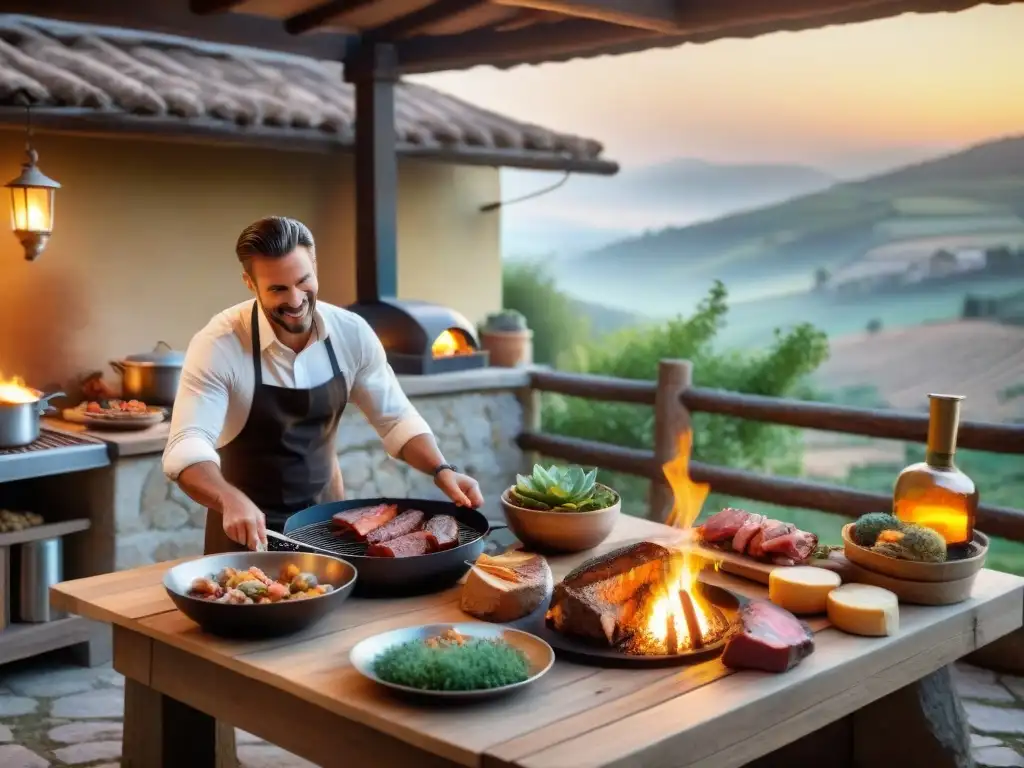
861 609
506 587
802 589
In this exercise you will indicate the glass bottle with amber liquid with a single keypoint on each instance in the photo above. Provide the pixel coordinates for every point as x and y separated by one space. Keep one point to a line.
934 493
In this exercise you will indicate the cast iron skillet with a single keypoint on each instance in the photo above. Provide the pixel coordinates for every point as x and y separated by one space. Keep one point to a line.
311 530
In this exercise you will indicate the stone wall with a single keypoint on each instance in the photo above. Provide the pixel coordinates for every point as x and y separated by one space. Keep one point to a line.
155 521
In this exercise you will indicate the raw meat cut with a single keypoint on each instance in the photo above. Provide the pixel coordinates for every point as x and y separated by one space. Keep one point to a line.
445 529
415 543
770 639
758 536
723 526
598 600
365 519
407 522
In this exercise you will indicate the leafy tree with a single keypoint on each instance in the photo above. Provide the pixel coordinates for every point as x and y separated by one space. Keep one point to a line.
779 370
557 326
874 325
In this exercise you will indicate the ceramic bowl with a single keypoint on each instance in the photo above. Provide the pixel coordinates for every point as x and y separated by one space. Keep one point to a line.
560 531
953 570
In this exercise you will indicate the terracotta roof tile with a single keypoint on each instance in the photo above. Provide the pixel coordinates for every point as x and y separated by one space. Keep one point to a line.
74 71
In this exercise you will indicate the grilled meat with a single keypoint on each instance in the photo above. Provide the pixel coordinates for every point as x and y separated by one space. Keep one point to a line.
758 536
415 543
359 522
407 522
445 529
771 639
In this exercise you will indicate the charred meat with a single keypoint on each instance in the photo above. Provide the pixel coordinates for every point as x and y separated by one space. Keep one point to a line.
360 522
445 529
602 598
407 522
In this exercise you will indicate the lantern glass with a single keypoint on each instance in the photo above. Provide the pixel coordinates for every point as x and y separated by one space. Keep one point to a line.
32 209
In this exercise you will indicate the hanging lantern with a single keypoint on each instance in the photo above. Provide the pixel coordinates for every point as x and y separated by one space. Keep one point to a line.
32 195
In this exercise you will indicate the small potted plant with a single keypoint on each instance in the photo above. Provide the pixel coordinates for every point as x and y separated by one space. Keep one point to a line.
505 335
560 509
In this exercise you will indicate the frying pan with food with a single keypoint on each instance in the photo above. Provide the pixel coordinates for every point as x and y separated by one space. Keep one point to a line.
312 530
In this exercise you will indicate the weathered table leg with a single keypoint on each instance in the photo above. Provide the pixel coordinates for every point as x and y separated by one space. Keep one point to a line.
160 732
919 726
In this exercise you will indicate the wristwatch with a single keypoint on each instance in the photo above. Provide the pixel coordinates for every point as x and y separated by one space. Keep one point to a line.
442 467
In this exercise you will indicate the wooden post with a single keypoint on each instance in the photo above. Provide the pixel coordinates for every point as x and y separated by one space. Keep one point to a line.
529 399
671 419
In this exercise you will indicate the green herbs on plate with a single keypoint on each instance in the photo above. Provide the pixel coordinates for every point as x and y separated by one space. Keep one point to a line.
452 662
557 489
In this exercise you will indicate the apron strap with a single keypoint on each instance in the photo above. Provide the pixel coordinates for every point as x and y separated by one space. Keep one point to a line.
334 359
257 367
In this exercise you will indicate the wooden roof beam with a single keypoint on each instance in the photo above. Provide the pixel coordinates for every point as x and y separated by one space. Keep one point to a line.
653 15
416 21
322 14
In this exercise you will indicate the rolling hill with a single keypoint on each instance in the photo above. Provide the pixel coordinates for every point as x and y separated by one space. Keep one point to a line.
592 211
775 250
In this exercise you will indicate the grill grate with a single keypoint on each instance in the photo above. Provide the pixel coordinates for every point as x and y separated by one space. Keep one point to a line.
322 535
47 441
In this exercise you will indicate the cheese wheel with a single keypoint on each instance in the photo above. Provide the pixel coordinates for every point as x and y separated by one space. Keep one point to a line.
802 589
861 609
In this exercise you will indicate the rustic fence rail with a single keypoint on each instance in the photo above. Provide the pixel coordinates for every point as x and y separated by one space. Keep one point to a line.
674 400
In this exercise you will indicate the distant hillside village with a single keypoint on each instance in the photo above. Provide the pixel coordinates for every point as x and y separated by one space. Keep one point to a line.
871 275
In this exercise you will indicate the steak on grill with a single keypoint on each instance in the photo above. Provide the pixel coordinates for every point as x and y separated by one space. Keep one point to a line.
360 522
415 543
770 639
445 529
598 600
407 522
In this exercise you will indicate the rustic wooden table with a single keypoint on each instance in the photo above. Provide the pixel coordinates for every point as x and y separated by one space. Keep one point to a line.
302 694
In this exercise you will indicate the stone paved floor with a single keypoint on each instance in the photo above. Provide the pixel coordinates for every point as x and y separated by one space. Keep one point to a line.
54 714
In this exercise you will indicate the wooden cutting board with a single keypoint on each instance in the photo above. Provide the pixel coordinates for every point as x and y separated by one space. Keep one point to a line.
755 570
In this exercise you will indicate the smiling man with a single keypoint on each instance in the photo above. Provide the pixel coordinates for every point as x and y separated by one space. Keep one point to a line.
262 391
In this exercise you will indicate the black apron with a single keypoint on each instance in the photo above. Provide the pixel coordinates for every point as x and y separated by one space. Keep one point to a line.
282 457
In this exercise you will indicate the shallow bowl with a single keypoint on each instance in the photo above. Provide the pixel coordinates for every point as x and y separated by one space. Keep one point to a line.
952 570
269 619
560 531
539 656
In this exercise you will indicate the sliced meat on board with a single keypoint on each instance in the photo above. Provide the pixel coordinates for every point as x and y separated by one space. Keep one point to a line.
407 522
410 545
445 529
757 536
360 522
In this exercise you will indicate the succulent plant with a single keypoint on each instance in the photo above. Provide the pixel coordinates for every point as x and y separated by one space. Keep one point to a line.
507 320
869 526
561 489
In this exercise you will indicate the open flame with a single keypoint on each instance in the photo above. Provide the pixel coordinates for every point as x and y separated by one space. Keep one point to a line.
679 618
450 343
14 391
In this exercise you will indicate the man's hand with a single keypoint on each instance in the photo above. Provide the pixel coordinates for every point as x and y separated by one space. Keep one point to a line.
462 489
243 522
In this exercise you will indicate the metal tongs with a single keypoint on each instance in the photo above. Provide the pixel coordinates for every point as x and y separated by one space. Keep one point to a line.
289 540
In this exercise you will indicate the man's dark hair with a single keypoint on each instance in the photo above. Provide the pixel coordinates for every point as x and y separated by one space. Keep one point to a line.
274 236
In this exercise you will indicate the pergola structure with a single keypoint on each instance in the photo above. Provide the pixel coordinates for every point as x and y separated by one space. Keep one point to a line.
379 40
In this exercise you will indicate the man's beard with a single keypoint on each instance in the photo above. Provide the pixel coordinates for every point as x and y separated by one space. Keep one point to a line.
294 324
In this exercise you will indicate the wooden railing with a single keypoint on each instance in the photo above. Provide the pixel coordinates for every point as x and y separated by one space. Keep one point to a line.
674 399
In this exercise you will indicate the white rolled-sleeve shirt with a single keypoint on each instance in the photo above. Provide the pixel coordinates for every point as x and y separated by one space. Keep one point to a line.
218 381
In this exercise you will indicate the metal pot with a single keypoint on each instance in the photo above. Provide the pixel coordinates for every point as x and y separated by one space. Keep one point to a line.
151 377
19 422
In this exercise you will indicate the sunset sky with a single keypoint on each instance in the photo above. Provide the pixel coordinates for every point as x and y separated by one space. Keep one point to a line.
847 99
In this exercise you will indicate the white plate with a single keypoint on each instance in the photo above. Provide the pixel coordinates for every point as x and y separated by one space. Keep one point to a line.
539 655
